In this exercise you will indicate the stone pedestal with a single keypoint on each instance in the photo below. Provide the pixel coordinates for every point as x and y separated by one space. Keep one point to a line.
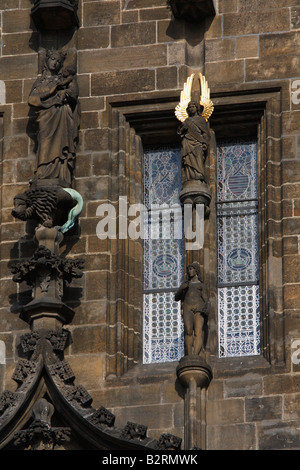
46 273
195 192
195 375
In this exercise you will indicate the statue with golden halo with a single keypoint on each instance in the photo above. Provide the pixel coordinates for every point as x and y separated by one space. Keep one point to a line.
195 136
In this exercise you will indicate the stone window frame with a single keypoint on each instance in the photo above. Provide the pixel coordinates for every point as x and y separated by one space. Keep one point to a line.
257 113
151 119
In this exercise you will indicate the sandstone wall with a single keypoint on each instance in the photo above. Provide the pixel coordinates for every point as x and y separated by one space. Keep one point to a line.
132 53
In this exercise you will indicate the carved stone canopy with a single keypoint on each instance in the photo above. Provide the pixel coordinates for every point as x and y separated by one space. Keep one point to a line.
55 14
192 11
45 387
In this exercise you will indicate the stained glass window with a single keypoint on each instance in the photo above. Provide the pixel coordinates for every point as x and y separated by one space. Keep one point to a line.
163 255
237 233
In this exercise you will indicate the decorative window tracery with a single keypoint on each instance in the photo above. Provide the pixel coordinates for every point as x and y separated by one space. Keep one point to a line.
163 255
237 235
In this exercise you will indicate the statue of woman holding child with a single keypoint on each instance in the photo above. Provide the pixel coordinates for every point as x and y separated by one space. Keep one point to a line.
54 96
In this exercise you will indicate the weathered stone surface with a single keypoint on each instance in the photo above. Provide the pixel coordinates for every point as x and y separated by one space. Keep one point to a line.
93 38
16 20
133 34
225 72
254 22
120 59
278 436
123 82
18 67
264 408
101 13
133 52
232 413
247 46
245 386
232 437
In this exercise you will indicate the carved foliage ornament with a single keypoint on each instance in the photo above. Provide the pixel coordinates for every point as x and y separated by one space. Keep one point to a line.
185 97
44 259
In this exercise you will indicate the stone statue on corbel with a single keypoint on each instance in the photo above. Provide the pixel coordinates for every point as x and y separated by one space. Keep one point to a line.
54 98
195 139
195 310
193 371
50 199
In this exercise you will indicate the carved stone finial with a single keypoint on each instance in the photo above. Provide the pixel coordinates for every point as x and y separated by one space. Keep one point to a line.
40 435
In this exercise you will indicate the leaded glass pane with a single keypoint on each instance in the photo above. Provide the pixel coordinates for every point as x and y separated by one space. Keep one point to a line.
163 255
163 329
239 325
238 245
162 176
237 171
238 265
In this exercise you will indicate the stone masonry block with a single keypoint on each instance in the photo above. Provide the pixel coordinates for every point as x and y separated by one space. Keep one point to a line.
280 44
101 13
112 83
96 285
254 22
93 38
233 412
137 4
278 436
18 67
263 408
133 34
88 339
122 58
247 385
269 68
16 21
220 49
247 46
258 5
19 43
231 71
231 437
9 4
154 416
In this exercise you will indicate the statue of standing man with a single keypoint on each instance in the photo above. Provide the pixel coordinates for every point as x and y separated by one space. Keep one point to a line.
195 308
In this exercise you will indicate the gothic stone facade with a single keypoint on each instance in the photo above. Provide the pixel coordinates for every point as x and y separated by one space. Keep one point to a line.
133 58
